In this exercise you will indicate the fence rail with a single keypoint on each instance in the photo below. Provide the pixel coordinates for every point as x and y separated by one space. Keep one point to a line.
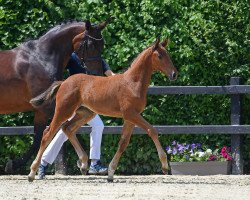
171 129
228 89
235 90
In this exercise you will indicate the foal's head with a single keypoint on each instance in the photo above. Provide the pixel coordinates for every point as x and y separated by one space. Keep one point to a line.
89 45
161 60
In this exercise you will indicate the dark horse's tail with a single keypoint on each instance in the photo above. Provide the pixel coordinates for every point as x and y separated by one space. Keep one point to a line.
47 96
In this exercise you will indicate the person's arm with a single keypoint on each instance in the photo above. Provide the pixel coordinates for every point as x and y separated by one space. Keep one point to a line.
106 68
74 65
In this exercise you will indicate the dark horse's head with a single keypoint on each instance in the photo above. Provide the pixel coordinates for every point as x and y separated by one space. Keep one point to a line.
89 46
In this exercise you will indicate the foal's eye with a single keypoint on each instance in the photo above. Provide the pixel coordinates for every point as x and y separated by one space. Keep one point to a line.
160 56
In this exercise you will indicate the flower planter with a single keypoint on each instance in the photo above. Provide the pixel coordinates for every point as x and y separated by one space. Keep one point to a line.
201 168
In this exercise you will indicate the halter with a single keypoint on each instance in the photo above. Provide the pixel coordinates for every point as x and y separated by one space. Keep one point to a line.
98 39
89 59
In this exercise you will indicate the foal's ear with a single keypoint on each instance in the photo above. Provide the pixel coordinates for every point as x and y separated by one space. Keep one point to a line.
156 44
164 42
87 25
102 25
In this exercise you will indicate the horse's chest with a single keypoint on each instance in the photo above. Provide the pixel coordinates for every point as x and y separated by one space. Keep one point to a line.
138 102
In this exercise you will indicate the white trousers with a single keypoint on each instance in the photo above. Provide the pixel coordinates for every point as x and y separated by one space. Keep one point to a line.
54 147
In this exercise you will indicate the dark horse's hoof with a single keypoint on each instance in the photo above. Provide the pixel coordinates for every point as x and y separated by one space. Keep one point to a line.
9 167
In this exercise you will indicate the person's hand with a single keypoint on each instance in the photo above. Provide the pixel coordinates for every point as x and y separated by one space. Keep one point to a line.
109 73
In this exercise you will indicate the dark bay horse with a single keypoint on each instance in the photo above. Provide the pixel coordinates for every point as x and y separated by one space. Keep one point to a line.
32 67
122 95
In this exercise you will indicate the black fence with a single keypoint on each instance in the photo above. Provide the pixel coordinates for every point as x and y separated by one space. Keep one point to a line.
235 90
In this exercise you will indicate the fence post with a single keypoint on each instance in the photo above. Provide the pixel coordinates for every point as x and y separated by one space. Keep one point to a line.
236 139
60 165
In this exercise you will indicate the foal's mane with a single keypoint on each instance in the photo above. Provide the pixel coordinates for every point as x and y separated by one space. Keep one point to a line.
130 65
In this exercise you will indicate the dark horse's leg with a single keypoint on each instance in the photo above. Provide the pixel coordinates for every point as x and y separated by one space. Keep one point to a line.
40 122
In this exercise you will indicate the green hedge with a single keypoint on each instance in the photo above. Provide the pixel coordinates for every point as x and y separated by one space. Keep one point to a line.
209 43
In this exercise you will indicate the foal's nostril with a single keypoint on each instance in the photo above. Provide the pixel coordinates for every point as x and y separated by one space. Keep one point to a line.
174 75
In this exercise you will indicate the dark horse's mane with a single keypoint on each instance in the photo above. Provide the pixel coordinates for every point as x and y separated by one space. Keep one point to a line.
30 42
53 27
63 24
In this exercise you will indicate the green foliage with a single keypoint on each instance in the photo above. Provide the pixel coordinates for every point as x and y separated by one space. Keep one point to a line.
208 41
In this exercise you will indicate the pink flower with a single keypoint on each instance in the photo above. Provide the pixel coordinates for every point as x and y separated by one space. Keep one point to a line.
224 153
211 157
228 157
223 150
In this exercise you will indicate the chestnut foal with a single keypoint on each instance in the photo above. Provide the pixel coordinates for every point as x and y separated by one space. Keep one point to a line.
123 95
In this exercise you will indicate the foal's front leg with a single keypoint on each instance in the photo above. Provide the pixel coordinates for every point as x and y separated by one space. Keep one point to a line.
127 131
82 116
138 120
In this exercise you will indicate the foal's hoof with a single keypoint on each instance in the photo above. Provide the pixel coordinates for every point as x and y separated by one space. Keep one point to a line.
82 170
110 180
165 171
31 178
9 167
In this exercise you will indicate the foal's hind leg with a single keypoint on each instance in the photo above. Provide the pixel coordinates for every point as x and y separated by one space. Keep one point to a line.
61 115
137 119
48 135
82 116
123 143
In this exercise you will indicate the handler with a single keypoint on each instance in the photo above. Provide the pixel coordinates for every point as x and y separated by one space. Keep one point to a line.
74 66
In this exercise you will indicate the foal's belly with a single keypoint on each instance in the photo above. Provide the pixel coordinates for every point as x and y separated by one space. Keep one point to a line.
103 108
105 111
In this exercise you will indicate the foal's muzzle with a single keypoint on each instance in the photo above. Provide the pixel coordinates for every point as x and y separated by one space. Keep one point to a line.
173 76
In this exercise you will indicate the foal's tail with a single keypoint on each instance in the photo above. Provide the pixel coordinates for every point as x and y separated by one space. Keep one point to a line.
47 96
